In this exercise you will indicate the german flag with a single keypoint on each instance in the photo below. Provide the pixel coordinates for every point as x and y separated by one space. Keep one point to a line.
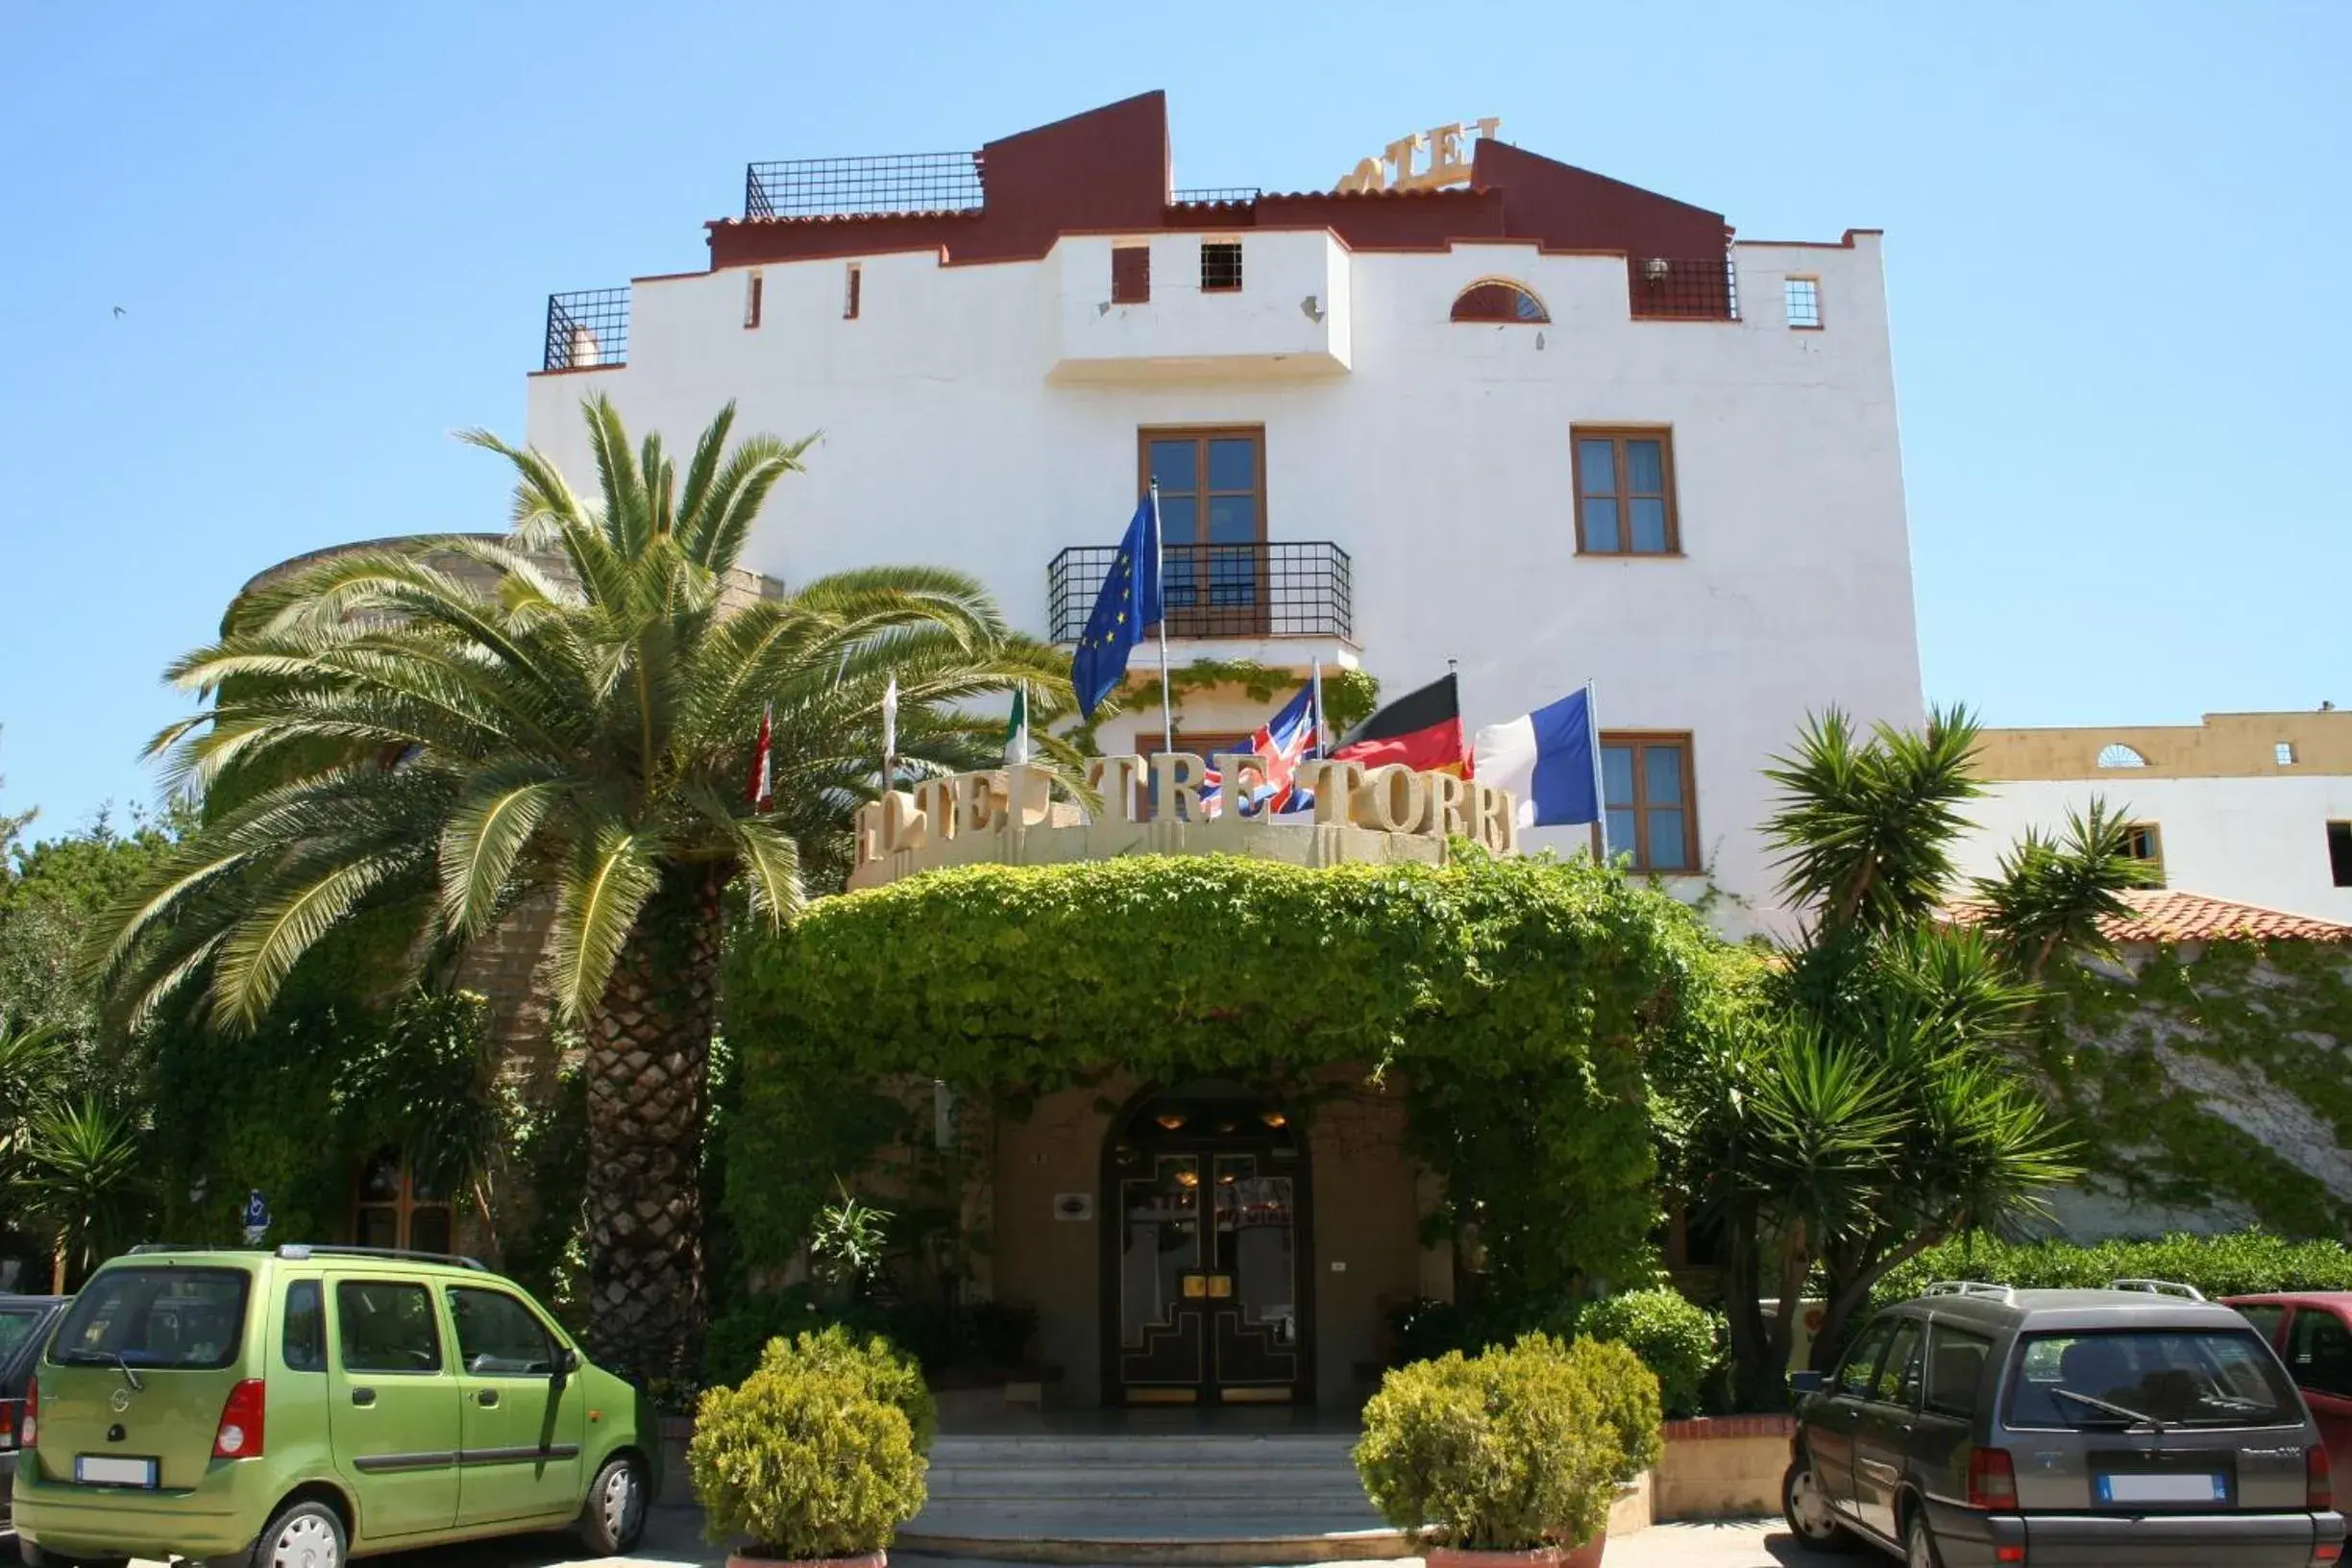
1421 729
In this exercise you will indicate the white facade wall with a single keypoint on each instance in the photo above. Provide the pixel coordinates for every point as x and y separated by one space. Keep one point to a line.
984 417
2256 840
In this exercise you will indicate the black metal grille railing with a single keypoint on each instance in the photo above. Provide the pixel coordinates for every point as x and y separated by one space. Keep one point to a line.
1215 195
1689 288
1290 589
844 187
587 327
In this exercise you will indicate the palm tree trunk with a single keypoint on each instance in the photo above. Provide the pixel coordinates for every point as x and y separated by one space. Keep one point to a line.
648 1074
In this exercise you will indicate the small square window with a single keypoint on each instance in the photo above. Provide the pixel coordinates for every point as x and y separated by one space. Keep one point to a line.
2340 853
1131 274
1804 296
1220 266
2144 841
2284 752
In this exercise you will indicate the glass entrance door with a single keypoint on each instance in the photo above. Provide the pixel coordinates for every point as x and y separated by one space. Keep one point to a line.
1208 1276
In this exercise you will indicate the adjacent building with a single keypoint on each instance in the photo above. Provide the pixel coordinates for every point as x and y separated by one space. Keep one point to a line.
2255 808
1478 410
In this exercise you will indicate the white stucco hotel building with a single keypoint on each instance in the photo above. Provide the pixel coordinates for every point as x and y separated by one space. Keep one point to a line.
1485 410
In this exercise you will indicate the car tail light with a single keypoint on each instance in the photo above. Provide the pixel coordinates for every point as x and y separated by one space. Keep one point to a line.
2008 1554
8 1423
2325 1553
1991 1478
2319 1479
28 1428
241 1428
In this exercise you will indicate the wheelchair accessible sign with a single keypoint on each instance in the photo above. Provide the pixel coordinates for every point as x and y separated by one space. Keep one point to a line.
256 1218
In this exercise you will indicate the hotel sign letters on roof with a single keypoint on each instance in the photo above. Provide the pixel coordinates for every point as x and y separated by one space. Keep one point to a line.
1395 800
1449 147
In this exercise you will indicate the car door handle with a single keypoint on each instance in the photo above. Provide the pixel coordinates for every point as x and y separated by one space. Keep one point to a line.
485 1396
363 1396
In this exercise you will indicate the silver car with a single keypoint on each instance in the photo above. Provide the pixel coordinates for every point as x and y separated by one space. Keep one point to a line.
2141 1424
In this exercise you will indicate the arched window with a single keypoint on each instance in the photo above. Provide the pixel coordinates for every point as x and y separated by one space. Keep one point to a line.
2118 755
1499 299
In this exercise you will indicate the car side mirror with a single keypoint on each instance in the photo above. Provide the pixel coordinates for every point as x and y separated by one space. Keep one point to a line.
1807 1382
567 1362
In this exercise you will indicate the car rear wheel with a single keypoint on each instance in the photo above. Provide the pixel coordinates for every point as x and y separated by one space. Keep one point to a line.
305 1534
614 1516
1806 1508
1919 1543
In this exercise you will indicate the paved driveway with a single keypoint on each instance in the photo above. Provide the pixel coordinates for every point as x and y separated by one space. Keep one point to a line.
673 1540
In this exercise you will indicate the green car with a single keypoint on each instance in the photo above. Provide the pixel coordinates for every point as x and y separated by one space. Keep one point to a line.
294 1407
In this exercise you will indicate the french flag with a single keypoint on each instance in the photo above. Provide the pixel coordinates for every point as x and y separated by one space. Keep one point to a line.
1548 759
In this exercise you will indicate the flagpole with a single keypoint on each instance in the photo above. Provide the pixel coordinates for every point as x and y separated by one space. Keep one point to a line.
1168 702
1592 733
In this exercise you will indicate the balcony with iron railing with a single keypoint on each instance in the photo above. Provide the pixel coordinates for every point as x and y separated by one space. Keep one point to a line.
1269 589
587 330
1683 288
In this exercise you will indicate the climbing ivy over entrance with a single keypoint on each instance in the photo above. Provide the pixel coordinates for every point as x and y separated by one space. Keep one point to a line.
1349 696
1517 1000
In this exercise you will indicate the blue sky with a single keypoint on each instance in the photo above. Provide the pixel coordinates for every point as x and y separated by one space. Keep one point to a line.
2119 258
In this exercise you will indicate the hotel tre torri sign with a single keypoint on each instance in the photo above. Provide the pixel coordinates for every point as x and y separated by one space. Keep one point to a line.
1008 814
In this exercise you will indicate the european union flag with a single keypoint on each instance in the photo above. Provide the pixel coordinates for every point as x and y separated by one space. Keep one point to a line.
1129 601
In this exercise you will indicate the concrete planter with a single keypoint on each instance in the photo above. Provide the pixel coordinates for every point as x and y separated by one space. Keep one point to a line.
1587 1555
1722 1467
864 1559
677 1482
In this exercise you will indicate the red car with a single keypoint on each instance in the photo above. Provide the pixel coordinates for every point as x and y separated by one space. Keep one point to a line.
2312 1331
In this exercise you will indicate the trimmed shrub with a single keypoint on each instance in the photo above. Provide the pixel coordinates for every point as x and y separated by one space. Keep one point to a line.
802 1458
1509 1450
2242 1264
878 1370
1675 1338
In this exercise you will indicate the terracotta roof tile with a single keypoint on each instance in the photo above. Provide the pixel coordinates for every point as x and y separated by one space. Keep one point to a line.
2170 915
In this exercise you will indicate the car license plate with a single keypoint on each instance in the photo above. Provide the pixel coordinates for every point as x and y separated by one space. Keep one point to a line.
107 1470
2203 1487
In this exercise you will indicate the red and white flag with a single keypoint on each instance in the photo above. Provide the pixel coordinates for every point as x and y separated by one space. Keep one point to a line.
762 790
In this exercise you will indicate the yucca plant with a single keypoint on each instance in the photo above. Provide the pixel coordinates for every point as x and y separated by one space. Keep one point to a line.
380 732
84 1177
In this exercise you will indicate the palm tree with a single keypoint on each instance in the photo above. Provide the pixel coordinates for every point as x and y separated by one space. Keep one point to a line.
380 733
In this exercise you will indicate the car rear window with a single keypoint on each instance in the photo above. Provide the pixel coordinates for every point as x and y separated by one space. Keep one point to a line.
16 1326
2173 1377
166 1317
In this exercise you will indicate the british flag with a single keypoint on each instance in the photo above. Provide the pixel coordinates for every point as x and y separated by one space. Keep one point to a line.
1286 741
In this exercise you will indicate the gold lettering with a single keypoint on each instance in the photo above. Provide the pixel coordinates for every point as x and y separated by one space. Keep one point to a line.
904 826
937 800
1449 809
1028 796
1370 173
1393 800
1115 780
1445 153
870 832
975 797
1488 127
1177 776
1400 155
1498 820
1235 791
1335 785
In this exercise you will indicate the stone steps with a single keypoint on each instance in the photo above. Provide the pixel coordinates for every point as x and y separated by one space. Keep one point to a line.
1172 1498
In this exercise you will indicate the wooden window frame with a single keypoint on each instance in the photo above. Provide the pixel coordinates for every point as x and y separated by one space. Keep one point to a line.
1819 318
1618 435
754 288
1516 289
1206 620
853 292
1239 277
2155 843
1133 286
402 1206
1640 740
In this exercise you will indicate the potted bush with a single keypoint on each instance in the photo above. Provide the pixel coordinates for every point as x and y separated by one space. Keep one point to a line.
1511 1456
816 1456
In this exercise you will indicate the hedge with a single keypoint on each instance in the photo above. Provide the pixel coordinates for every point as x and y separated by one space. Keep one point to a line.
2239 1264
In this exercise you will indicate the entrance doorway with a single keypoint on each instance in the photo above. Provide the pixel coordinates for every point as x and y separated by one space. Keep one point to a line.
1209 1284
